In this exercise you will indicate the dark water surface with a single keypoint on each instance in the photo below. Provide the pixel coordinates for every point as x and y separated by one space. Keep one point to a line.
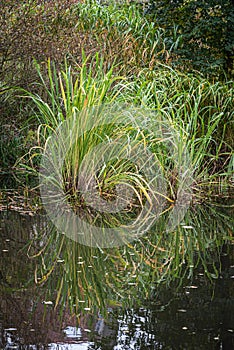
199 314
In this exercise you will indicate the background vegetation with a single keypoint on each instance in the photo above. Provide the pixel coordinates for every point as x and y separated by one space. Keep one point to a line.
205 29
193 37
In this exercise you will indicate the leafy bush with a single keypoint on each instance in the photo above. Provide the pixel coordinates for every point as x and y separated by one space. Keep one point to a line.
206 28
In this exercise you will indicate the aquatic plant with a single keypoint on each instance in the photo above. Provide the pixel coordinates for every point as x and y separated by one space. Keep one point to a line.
202 112
197 111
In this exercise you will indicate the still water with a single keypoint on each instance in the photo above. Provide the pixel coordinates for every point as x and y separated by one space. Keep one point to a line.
193 312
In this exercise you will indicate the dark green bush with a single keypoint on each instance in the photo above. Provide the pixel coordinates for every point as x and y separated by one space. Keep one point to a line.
207 30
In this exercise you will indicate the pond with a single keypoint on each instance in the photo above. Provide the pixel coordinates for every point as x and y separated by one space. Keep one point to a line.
57 295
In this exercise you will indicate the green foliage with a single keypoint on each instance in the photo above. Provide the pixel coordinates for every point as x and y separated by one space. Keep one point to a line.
191 107
129 36
71 90
190 35
202 111
206 29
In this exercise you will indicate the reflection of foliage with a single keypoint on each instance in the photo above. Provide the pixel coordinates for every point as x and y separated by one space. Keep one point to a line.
85 277
79 277
21 303
196 315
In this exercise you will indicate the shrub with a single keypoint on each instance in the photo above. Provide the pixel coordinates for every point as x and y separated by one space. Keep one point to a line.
207 32
36 30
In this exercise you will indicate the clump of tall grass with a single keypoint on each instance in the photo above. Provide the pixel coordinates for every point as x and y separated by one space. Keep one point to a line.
195 110
71 90
200 110
69 99
67 94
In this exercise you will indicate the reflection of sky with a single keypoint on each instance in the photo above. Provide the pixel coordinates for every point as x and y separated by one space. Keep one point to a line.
71 333
81 346
133 341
